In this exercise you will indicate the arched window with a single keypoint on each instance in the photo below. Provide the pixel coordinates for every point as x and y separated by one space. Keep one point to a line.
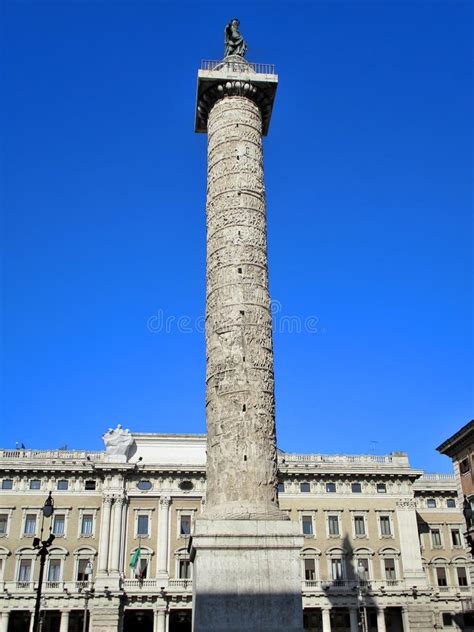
362 561
461 574
389 561
140 562
336 557
55 566
440 573
25 565
183 564
310 564
84 557
4 554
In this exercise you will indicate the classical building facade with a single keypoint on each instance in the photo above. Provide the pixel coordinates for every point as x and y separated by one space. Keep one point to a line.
383 547
460 448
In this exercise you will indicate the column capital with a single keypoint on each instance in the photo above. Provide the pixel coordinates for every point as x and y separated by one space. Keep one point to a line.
165 501
235 77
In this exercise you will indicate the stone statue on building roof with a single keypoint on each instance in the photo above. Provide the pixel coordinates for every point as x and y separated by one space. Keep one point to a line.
234 43
117 443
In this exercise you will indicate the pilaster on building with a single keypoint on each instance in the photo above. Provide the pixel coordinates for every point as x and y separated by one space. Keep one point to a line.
396 521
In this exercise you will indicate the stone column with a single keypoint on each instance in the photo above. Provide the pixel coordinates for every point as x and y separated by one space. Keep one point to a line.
326 616
242 541
64 627
103 564
240 406
159 621
405 620
117 534
381 619
32 620
354 619
163 536
4 621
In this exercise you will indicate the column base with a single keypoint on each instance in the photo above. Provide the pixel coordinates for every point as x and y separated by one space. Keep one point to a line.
247 576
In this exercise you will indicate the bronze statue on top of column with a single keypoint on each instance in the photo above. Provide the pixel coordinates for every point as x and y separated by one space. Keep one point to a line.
234 43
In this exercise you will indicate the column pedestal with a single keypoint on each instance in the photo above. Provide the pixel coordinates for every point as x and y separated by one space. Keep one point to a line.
247 576
4 621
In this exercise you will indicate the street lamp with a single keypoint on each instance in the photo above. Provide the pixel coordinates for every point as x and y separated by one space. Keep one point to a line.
88 592
42 546
361 573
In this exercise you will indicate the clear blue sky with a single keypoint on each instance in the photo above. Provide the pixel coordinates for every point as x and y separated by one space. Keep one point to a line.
368 170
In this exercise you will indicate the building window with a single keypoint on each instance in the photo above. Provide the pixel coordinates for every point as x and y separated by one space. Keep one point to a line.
281 488
389 567
90 485
359 526
307 525
356 488
431 503
30 524
3 524
331 488
385 526
84 569
186 486
58 525
142 524
381 488
7 483
450 503
441 576
24 571
35 484
305 487
363 568
54 570
309 570
462 576
336 569
184 569
62 485
144 485
333 525
456 537
185 525
436 538
447 619
464 466
87 524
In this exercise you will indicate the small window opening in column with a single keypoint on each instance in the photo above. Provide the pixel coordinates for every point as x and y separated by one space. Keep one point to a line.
245 457
239 270
244 408
242 312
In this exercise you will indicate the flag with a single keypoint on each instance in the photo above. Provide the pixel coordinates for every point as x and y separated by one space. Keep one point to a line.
135 562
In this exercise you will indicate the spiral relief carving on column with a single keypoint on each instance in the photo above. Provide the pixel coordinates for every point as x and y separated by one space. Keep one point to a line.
240 405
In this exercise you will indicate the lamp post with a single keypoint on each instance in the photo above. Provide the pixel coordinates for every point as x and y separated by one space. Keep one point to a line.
360 596
42 546
87 594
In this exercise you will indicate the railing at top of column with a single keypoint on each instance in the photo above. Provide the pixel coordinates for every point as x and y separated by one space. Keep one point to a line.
238 66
